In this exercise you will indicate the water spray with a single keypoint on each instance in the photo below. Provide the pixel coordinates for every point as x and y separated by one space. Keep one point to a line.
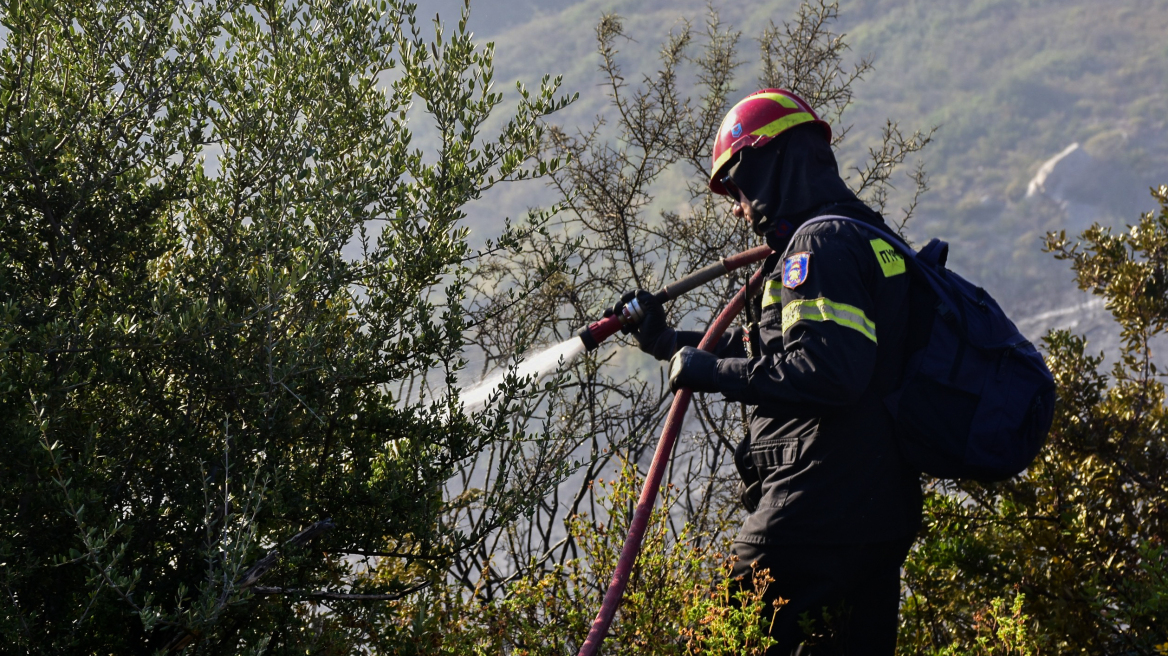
542 362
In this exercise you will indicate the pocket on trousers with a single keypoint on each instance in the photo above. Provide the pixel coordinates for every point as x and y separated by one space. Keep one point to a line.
774 454
775 498
770 456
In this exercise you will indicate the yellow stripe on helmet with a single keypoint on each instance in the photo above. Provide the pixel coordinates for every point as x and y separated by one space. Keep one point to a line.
721 161
788 121
767 131
779 98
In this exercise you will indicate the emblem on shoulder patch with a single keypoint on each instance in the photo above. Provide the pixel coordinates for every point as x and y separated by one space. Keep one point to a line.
795 269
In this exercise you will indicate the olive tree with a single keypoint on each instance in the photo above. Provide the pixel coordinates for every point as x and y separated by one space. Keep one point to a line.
231 318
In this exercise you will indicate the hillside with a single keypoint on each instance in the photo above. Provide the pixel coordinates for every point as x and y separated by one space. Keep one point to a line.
1009 84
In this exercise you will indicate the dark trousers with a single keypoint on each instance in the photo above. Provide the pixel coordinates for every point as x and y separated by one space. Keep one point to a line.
841 599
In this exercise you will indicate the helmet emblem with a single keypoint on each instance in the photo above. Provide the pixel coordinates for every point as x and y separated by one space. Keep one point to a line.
736 131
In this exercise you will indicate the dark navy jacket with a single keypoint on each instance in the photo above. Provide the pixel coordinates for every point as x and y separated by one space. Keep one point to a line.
833 329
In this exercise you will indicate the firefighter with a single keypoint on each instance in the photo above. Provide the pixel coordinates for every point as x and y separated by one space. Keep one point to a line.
833 508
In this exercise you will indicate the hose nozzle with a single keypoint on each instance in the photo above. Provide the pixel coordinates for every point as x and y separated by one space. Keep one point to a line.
597 332
633 313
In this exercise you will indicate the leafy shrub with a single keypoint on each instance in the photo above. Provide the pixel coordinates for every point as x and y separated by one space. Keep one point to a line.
1082 535
230 320
680 599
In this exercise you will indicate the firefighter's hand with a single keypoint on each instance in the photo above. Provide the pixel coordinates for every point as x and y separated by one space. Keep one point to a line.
653 334
695 369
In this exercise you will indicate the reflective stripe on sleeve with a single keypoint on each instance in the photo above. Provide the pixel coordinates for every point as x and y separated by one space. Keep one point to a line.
821 309
772 294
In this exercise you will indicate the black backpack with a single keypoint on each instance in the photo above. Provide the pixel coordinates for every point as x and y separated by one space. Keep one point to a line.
976 400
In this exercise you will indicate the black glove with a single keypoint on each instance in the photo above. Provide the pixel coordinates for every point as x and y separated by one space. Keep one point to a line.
695 369
653 334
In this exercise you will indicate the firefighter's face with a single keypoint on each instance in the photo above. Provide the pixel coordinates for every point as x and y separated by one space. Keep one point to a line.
742 208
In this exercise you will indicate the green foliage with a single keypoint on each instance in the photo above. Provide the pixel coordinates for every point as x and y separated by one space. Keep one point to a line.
1083 534
680 599
232 317
1001 630
230 308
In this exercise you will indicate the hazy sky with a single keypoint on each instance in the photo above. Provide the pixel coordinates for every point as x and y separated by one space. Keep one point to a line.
489 17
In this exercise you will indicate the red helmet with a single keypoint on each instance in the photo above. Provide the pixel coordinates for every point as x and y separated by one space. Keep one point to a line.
754 121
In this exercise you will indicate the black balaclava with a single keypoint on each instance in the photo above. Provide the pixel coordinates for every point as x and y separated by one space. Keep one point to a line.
792 178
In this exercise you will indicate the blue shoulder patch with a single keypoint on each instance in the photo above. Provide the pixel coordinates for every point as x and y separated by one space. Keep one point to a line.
795 269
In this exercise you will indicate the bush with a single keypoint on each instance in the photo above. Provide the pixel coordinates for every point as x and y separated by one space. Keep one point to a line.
680 599
230 320
1082 534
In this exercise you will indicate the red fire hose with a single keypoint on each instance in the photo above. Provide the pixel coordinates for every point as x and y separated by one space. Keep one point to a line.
601 330
669 432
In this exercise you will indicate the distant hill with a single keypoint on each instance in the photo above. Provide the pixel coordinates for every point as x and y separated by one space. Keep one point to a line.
1010 83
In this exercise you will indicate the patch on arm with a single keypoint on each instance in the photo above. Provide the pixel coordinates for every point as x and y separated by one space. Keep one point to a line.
891 261
795 269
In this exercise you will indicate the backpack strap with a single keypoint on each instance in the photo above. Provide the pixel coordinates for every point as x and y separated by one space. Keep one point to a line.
931 258
935 253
